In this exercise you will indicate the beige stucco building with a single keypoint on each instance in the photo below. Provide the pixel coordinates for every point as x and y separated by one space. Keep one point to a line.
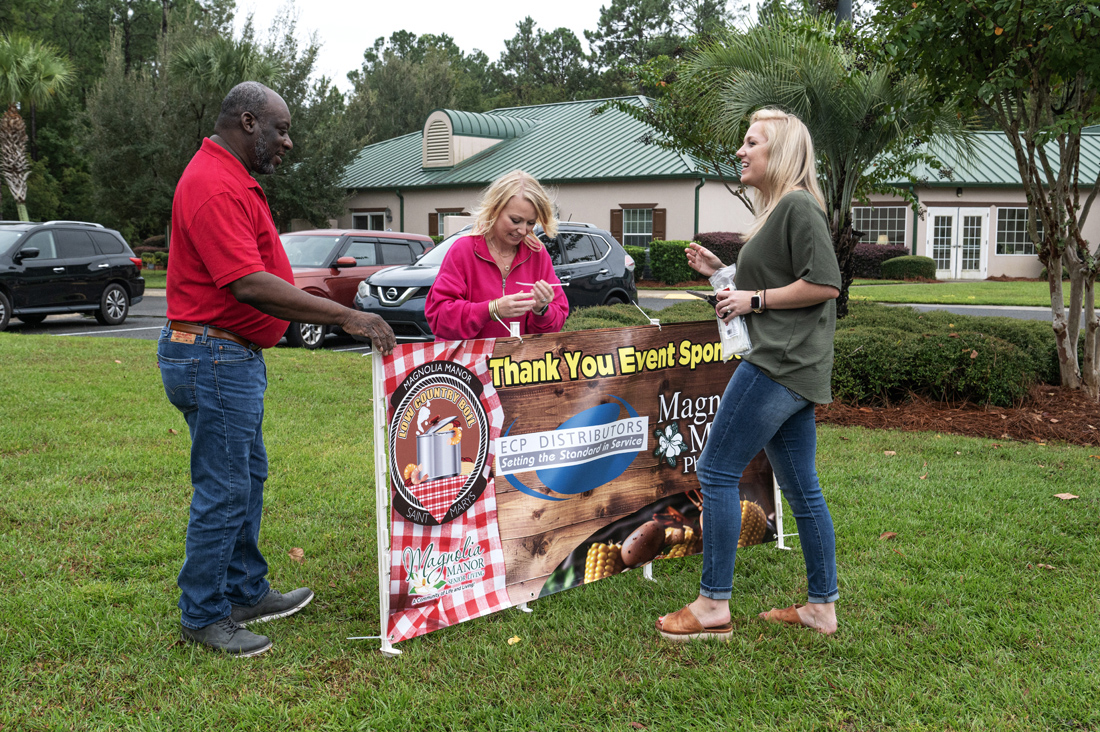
973 224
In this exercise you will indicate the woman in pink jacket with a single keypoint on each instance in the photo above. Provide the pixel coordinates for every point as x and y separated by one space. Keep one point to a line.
501 273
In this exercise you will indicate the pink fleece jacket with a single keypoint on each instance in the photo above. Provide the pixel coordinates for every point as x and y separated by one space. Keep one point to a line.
458 303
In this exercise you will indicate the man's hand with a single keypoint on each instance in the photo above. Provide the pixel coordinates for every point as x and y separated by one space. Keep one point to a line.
362 326
271 295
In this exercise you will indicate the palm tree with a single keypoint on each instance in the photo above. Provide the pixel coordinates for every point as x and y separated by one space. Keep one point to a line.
30 73
863 113
210 67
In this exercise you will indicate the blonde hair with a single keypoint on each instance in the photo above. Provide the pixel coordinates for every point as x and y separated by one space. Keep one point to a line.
501 191
791 163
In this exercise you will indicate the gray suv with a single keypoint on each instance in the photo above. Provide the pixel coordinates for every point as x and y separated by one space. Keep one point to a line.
66 267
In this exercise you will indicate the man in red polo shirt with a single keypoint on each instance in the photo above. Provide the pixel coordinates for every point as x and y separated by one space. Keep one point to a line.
230 295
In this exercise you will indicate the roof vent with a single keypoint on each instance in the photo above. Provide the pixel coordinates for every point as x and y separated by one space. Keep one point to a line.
437 144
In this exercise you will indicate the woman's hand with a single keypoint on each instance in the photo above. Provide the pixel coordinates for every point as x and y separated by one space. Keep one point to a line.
702 260
513 306
543 294
732 303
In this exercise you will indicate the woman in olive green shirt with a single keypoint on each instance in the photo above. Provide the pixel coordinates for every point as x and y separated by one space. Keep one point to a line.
787 281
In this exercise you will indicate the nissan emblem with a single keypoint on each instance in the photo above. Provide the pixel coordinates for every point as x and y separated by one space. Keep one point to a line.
391 294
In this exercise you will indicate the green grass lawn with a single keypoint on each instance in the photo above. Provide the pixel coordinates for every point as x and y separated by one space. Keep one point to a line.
955 624
154 279
979 292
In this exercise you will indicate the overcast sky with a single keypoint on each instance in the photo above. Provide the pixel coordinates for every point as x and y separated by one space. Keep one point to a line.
346 28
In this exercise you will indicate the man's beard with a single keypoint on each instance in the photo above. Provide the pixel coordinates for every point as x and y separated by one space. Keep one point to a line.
262 151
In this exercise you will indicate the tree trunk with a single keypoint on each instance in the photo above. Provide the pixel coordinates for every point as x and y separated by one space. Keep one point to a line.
1063 333
1090 367
13 157
844 243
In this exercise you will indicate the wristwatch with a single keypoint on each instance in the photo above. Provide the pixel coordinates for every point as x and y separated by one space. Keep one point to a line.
756 302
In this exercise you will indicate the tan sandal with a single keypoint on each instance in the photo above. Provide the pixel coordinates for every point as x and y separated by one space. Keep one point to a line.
682 626
789 616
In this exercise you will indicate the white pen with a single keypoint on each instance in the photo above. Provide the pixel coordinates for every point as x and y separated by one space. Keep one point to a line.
532 284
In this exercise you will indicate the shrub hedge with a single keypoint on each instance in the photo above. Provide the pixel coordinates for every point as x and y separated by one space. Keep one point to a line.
641 262
884 354
726 245
668 262
909 268
867 259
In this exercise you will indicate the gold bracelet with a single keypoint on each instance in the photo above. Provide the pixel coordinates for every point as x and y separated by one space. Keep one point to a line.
493 312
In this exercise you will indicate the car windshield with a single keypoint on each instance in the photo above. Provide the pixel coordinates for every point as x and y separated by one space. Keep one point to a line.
434 256
7 238
309 251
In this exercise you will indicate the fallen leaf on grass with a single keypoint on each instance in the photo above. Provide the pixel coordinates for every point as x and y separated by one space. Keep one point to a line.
513 640
1044 566
924 476
297 554
973 354
1065 496
887 535
637 725
889 453
995 445
117 361
172 431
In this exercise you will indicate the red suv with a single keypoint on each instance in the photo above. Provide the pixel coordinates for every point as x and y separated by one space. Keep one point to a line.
332 262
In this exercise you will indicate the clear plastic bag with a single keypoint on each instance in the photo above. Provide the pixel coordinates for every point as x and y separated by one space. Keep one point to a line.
735 333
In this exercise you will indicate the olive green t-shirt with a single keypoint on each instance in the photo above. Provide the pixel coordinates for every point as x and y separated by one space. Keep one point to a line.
792 347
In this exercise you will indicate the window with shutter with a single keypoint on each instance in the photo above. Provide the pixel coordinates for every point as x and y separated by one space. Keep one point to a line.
433 224
617 224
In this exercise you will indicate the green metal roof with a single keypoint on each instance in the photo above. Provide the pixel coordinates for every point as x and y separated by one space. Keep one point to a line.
553 142
473 124
993 163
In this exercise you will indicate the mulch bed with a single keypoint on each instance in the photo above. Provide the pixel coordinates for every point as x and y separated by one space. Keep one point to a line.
1049 413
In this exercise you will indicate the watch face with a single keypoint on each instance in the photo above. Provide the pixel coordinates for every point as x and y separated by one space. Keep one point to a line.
754 302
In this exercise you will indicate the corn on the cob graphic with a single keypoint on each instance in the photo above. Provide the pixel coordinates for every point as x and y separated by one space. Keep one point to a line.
753 524
603 560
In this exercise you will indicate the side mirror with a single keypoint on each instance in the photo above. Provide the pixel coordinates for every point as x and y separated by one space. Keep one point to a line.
345 262
28 253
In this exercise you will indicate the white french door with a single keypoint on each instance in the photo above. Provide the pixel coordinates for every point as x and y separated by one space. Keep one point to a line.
958 241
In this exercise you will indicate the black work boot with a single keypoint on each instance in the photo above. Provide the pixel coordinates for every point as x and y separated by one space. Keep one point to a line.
228 636
274 605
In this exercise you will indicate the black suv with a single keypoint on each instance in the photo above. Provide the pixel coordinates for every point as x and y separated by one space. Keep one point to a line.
66 267
588 260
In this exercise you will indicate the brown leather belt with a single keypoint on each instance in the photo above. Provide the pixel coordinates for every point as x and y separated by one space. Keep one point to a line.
196 329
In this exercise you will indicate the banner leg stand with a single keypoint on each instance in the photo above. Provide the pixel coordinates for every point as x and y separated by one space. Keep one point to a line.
647 572
523 608
382 501
777 498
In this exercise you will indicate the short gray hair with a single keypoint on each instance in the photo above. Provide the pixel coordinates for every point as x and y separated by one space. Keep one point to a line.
248 96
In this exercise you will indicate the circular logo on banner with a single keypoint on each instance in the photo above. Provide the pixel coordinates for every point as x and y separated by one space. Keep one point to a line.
438 443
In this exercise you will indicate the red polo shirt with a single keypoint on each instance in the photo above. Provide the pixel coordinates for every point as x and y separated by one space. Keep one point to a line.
222 230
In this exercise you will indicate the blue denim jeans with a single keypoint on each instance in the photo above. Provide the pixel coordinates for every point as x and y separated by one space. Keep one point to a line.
219 387
758 413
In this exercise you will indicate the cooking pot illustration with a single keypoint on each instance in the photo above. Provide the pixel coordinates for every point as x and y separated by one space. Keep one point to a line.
435 452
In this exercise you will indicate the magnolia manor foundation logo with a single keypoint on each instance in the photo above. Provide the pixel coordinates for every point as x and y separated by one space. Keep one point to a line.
438 445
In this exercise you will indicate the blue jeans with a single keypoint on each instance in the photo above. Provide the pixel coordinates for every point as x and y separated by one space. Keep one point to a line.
219 387
757 413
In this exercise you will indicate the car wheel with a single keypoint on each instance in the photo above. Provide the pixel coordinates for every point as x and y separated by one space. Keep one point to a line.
31 319
305 335
615 299
114 306
5 311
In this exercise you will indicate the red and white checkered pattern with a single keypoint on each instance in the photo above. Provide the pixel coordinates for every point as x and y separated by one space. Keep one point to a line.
436 496
476 596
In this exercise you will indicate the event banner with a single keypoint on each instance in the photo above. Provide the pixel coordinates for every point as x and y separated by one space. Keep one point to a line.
520 468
